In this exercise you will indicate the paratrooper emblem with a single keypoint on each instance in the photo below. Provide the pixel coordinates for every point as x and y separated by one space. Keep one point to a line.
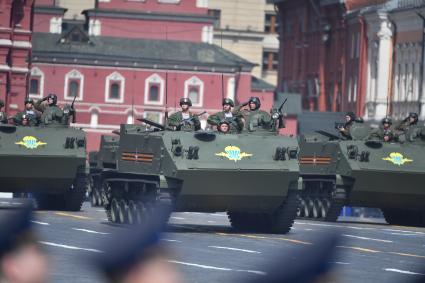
233 153
30 142
397 158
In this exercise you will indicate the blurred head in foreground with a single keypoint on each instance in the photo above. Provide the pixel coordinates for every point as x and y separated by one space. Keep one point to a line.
135 254
307 264
21 257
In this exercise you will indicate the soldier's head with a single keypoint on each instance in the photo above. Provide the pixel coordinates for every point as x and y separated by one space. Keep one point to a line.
386 122
350 117
413 118
52 99
388 136
185 103
223 126
29 104
227 104
254 103
21 257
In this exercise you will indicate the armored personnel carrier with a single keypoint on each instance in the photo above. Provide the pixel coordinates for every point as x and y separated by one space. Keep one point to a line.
255 178
99 161
48 162
364 172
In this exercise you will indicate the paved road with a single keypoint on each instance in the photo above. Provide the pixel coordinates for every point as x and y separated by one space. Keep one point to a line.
206 249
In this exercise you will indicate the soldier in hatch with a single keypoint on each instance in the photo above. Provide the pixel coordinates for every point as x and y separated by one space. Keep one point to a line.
224 127
350 118
408 122
184 120
234 118
255 118
51 113
29 116
388 136
385 126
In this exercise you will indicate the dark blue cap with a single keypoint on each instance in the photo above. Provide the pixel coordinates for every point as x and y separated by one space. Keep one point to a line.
302 264
129 246
15 220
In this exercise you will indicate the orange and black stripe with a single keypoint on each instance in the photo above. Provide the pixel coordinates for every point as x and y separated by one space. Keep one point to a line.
137 157
315 160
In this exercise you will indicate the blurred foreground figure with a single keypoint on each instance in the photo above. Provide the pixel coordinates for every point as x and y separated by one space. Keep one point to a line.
135 255
21 257
307 264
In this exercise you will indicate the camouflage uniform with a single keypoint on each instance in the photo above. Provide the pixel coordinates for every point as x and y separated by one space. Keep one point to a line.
255 119
177 123
235 120
33 117
51 114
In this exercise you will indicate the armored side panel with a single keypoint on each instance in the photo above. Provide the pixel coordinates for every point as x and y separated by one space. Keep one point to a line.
40 159
107 151
249 176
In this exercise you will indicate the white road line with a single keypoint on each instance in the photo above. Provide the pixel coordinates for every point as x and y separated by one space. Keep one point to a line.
235 249
211 221
403 234
177 218
308 229
69 247
40 223
340 262
334 225
100 210
404 231
402 271
368 239
169 240
90 231
218 215
216 268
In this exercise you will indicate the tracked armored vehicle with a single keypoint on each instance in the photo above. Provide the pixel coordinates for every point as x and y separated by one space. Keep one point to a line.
102 160
364 172
47 162
255 178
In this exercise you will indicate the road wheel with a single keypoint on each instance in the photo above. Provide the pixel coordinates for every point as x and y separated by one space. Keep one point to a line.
115 216
123 211
132 212
94 198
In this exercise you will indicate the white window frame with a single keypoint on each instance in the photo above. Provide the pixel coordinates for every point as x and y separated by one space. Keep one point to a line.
355 90
36 72
231 82
55 25
115 77
202 3
95 27
195 81
145 115
349 90
169 1
207 34
74 74
154 79
94 119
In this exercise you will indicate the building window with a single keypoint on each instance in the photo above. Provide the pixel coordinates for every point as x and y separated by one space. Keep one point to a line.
114 88
154 90
55 25
153 116
94 27
73 88
194 89
271 23
74 85
114 92
202 3
217 17
36 83
231 88
270 61
207 34
94 119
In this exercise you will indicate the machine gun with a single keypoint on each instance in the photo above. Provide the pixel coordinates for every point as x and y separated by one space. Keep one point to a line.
189 120
339 125
152 123
277 114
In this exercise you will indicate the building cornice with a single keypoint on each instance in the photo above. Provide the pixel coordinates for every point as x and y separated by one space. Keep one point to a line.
51 10
153 16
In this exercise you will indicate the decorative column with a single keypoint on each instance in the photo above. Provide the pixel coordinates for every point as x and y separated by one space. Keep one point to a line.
385 35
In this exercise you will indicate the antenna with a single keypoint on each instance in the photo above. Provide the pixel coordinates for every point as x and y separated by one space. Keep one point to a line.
132 107
222 74
166 83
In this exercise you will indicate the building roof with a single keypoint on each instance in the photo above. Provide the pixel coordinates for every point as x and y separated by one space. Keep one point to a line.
292 106
261 85
322 2
138 53
51 10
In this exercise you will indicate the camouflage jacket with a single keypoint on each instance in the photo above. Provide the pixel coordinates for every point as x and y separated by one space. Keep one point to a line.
176 122
257 119
50 114
33 117
236 122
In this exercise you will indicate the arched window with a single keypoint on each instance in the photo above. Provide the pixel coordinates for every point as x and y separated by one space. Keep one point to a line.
154 90
114 93
73 88
194 89
114 88
36 83
74 85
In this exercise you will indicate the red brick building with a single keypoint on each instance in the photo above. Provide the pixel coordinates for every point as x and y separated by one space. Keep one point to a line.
323 53
136 58
15 49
